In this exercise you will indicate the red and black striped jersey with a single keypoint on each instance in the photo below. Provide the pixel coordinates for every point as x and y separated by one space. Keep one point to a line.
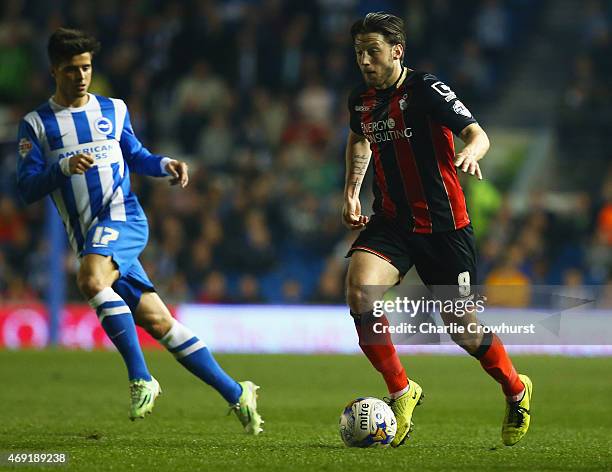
410 129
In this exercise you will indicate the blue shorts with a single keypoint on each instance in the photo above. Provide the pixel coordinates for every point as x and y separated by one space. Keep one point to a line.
124 241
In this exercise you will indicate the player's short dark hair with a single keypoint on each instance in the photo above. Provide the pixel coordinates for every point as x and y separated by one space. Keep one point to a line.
390 26
65 43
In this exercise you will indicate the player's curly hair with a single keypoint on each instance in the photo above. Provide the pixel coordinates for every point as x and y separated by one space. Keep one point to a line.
65 43
390 26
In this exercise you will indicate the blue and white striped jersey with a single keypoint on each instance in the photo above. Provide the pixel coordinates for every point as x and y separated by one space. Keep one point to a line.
101 128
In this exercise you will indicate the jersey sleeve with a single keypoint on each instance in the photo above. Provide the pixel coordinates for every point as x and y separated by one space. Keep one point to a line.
355 117
35 178
444 106
138 158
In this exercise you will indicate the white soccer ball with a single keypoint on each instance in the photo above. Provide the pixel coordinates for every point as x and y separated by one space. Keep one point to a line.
367 422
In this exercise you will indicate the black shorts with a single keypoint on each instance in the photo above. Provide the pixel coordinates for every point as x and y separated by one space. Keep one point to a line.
447 258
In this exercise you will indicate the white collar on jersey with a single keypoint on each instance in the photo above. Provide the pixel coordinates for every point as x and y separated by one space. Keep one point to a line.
57 106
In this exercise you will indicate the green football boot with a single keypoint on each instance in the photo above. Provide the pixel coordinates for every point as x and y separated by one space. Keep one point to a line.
246 408
143 394
403 407
518 416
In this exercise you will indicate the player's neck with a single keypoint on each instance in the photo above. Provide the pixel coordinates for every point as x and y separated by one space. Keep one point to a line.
69 102
396 79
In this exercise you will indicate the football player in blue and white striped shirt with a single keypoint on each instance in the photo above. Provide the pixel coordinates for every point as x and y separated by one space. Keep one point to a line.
80 148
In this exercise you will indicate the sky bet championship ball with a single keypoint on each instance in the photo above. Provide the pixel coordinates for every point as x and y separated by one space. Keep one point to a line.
367 422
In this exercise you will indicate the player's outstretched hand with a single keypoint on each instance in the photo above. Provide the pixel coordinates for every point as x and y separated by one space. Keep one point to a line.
79 163
179 172
351 214
468 163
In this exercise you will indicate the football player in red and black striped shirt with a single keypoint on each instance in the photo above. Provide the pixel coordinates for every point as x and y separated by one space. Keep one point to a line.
404 120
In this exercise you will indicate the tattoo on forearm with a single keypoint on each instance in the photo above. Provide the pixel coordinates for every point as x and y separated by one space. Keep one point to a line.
360 164
357 168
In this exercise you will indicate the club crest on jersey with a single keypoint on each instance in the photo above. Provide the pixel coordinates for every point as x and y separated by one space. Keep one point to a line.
25 146
403 104
103 125
461 109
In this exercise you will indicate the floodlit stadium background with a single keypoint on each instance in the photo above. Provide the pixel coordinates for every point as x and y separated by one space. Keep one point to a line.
253 95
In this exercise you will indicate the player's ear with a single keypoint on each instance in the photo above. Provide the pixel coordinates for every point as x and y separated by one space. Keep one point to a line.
398 51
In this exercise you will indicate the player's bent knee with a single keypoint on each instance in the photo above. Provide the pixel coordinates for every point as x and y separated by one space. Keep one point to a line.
360 296
90 285
470 343
353 295
358 299
156 324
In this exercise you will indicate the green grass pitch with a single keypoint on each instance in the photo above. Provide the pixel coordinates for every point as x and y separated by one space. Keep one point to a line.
76 402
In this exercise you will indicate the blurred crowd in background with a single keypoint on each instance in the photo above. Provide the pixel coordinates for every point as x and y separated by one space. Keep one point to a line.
252 93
